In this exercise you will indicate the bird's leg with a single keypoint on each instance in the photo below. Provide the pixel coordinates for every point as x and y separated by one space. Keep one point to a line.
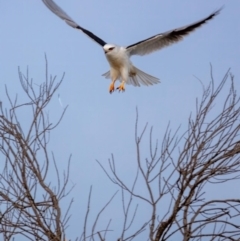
121 87
111 87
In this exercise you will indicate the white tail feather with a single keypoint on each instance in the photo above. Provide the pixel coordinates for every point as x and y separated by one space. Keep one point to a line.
138 78
107 75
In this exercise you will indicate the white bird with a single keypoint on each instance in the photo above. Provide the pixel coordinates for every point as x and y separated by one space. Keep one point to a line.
121 68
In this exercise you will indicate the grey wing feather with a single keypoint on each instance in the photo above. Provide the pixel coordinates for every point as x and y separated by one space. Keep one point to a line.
162 40
61 14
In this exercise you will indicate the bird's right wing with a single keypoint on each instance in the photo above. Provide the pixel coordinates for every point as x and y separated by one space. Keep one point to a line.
61 14
162 40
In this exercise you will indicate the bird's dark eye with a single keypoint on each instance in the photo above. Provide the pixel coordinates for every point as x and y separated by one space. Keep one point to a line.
111 48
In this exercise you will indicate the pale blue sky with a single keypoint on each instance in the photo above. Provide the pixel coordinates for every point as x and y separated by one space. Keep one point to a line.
96 123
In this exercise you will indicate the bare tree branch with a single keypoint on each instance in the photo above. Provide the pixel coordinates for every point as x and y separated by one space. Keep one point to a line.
29 203
181 170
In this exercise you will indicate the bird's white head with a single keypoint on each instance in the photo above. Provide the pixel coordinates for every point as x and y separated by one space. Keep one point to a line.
109 48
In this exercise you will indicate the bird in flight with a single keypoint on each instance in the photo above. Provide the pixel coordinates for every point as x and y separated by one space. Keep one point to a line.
121 67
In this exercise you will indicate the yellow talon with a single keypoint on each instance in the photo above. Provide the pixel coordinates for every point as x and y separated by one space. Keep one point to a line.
111 88
121 87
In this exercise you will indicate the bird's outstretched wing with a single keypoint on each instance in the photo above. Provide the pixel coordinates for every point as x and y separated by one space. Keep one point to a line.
162 40
61 14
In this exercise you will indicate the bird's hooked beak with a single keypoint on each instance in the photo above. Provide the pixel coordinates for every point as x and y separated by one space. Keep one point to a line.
108 48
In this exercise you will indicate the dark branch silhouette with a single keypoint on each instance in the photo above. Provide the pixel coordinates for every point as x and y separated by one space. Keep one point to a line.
172 181
29 202
178 171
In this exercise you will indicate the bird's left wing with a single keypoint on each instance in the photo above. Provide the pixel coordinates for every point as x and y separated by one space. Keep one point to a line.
61 14
162 40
